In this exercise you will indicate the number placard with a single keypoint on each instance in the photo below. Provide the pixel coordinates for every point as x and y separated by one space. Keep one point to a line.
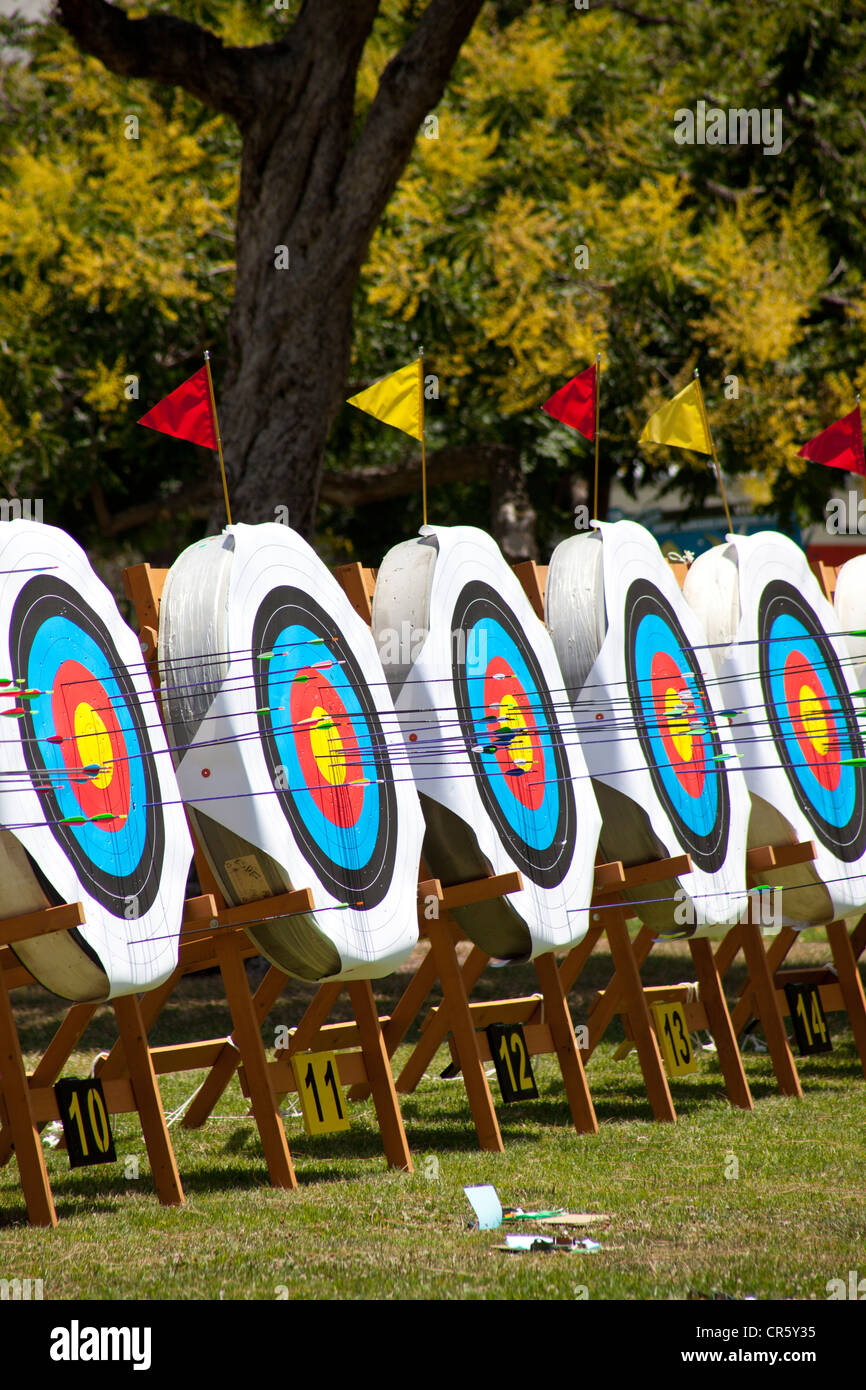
511 1060
811 1028
673 1035
86 1126
320 1092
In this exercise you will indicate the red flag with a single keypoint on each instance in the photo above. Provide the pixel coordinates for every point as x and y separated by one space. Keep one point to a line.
186 413
574 403
840 445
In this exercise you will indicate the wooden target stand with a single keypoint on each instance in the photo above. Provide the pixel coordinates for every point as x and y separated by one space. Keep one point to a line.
762 995
839 985
28 1101
222 942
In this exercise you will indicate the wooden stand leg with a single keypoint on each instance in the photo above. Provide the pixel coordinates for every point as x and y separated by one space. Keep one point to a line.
54 1059
228 1060
406 1011
151 1005
463 1033
603 1011
19 1117
850 984
775 957
139 1063
577 957
768 1008
559 1022
436 1030
247 1031
381 1081
644 1036
858 938
719 1019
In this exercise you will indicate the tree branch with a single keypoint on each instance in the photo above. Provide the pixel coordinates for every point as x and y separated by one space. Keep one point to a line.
166 49
359 487
411 86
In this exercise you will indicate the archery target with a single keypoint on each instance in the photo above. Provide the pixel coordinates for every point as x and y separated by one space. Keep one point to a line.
647 712
85 776
798 730
491 744
283 730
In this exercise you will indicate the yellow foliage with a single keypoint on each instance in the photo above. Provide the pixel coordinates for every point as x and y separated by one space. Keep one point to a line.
10 440
761 280
109 218
105 392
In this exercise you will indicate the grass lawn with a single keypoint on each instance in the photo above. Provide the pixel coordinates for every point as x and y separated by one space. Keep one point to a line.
792 1219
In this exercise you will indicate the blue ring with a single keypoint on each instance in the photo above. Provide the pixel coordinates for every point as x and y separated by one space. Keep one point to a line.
349 846
115 852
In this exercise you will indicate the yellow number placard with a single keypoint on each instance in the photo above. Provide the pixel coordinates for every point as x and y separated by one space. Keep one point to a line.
321 1094
673 1035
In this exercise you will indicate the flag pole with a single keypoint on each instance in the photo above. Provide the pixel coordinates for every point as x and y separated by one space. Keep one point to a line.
713 448
423 447
597 395
216 425
862 475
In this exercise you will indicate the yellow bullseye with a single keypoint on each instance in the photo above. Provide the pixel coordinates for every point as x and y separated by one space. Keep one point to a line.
93 743
814 722
678 726
520 748
327 748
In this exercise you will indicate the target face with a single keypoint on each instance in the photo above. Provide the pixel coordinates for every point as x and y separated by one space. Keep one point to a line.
812 718
86 783
648 713
318 722
513 737
87 747
787 673
287 750
489 736
676 725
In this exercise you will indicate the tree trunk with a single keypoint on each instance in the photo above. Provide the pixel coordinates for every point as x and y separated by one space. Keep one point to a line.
512 515
312 191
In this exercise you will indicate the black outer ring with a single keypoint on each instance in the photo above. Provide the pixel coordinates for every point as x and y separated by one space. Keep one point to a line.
708 852
369 884
546 867
47 597
779 598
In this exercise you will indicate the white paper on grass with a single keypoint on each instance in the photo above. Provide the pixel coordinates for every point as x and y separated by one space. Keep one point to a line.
761 559
136 953
237 790
629 553
555 917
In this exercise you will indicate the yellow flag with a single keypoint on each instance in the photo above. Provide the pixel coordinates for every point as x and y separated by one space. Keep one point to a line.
681 422
395 400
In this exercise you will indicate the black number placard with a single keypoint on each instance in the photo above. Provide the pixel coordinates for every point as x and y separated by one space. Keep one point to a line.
811 1028
511 1060
86 1126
